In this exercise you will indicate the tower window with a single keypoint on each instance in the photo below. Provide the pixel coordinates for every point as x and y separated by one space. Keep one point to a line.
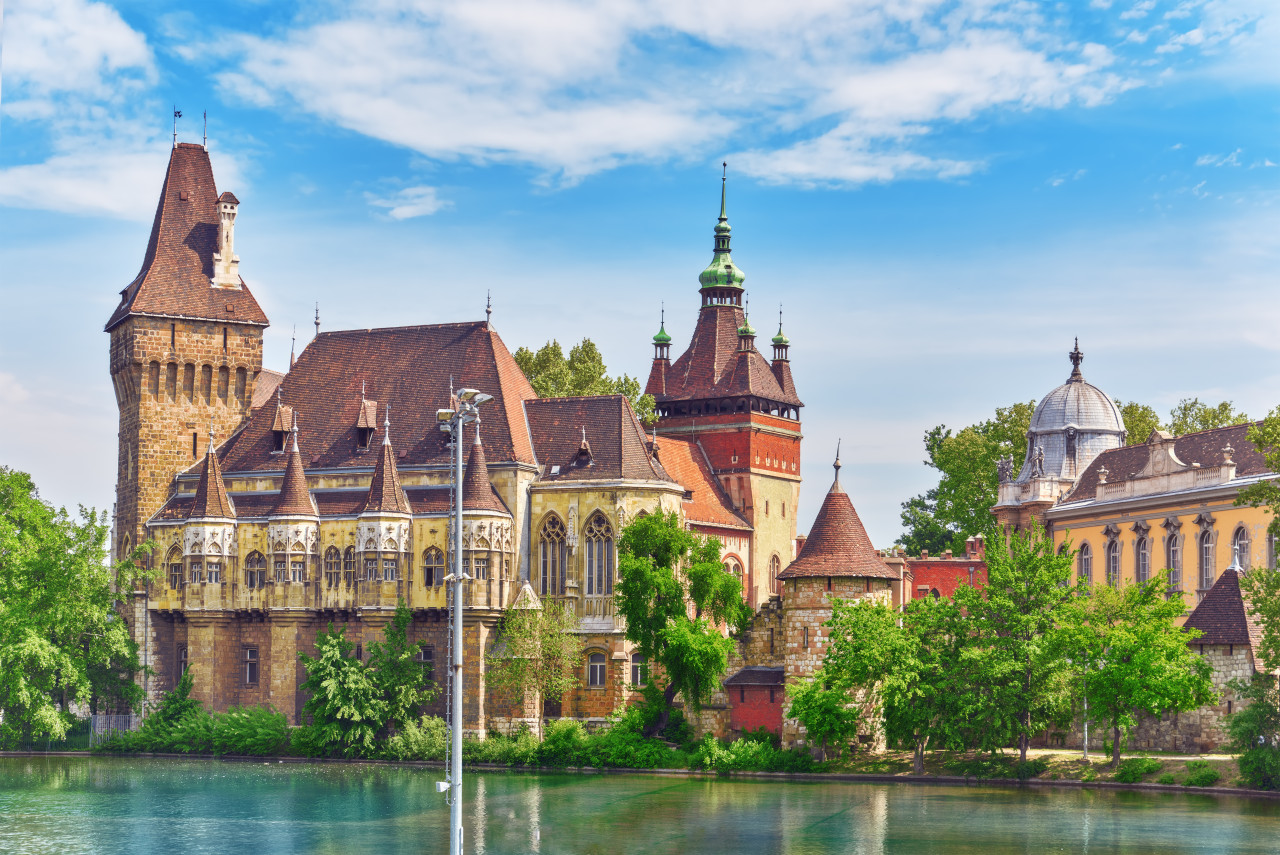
224 339
194 446
251 666
173 336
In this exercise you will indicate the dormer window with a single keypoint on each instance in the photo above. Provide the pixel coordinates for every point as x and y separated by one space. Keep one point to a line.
281 425
366 422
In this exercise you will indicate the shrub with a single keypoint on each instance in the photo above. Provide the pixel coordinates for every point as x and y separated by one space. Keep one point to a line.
1026 770
563 743
1134 769
254 731
1201 774
1167 779
425 739
1260 768
743 755
763 735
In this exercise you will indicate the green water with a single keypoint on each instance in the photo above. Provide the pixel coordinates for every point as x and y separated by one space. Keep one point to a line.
108 805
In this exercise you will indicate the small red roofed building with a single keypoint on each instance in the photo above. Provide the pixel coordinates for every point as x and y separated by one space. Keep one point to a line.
940 576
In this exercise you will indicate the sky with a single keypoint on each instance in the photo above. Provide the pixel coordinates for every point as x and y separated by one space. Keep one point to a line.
941 195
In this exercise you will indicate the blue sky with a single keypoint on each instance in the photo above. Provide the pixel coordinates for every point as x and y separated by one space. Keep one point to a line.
941 194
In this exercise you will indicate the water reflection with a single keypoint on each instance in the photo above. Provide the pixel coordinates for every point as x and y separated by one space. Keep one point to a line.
110 805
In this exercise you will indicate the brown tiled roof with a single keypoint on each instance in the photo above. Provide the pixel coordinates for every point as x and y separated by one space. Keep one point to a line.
407 367
210 501
1204 448
385 493
1223 616
758 675
178 265
294 499
264 388
330 503
685 460
837 544
477 490
782 372
368 417
617 440
712 366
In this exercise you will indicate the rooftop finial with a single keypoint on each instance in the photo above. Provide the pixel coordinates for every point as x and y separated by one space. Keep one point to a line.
488 307
1076 358
294 431
317 318
386 427
1235 560
293 343
584 435
837 463
205 114
724 180
210 437
177 114
478 442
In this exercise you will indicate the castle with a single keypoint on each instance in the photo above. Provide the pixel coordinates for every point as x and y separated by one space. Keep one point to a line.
282 503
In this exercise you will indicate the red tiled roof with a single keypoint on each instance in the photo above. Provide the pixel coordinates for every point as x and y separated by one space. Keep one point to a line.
837 544
294 498
617 440
385 493
685 460
175 279
264 388
477 490
210 500
330 503
1204 448
713 367
1223 616
407 367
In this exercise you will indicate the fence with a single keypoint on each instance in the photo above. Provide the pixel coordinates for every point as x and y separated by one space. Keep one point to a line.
103 727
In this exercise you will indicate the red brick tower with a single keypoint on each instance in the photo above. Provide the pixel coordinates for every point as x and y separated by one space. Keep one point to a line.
742 410
186 342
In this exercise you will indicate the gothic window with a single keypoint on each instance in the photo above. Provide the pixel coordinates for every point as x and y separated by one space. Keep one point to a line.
251 666
598 538
479 567
349 566
1206 560
1241 541
1084 564
639 669
1113 564
213 571
1142 559
206 383
182 660
734 567
224 380
390 569
175 568
775 567
427 663
552 553
332 567
189 382
282 570
255 570
242 380
171 381
197 572
298 570
432 567
595 670
1173 559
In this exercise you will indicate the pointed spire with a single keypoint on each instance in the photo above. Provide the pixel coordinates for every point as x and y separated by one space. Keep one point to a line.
488 308
211 500
1235 560
386 427
836 484
724 180
477 489
385 493
1076 358
780 339
721 273
294 499
317 318
292 345
746 330
662 337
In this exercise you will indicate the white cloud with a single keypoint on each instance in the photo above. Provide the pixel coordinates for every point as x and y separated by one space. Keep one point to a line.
1232 159
409 202
12 392
1138 10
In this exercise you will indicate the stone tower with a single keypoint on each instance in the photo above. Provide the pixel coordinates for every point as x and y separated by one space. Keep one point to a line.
742 411
186 342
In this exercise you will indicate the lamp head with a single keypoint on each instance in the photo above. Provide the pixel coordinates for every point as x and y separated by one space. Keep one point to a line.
467 394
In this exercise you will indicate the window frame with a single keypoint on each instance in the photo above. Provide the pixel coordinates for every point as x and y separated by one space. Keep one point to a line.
432 569
598 543
597 674
639 670
252 665
553 555
1084 565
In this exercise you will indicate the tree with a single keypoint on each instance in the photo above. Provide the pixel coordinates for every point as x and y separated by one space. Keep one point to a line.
1018 680
62 642
397 672
1265 436
826 710
537 653
909 664
675 595
1132 656
1139 421
960 506
922 531
552 375
1191 416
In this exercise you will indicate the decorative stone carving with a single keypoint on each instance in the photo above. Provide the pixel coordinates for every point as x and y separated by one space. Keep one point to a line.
1004 469
1037 463
304 537
385 535
572 534
216 539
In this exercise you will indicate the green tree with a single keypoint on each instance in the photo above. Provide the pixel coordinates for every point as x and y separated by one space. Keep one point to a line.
1139 421
922 531
1255 731
967 486
675 596
538 653
1191 416
583 373
1265 436
1018 679
910 664
1132 657
397 672
825 708
62 642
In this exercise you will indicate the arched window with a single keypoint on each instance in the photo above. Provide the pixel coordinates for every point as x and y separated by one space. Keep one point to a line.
1271 551
595 670
1142 559
1173 559
732 566
599 542
349 566
775 567
551 556
175 568
332 567
1084 564
1241 541
1113 563
432 567
1206 560
639 669
255 570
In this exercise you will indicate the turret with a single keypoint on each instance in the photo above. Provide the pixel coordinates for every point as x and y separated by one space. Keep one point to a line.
657 384
721 281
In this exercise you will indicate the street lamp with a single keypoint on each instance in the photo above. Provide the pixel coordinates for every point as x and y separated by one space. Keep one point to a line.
466 409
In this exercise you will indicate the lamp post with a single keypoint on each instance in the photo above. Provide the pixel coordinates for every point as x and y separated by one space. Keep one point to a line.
464 410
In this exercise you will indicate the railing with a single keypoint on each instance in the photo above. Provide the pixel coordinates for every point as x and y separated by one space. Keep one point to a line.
104 726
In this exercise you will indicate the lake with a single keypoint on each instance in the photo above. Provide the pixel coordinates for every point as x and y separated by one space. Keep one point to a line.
70 805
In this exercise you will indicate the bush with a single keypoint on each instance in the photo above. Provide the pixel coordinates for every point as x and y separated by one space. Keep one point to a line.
1134 769
1167 779
562 744
997 766
1260 768
763 735
1201 774
746 755
254 731
425 739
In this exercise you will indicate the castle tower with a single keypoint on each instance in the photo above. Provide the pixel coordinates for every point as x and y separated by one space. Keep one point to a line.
742 411
186 342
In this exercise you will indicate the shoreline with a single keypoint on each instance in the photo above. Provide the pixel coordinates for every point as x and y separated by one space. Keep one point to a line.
799 777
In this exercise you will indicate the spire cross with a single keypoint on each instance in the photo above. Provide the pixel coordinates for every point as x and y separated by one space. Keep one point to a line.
1076 358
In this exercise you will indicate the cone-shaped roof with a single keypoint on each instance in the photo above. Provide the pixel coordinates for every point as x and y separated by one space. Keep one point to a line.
1223 615
477 489
212 501
295 499
838 544
385 493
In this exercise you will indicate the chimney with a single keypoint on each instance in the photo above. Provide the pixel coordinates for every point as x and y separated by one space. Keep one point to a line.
800 539
226 264
924 553
979 552
947 554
